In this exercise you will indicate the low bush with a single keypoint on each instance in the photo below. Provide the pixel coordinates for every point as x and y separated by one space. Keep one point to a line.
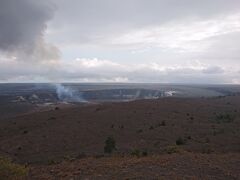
180 141
138 153
110 145
224 118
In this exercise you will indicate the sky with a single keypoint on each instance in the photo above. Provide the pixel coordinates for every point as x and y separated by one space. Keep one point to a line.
145 41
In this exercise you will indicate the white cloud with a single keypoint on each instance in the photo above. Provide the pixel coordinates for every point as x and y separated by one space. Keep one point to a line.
92 63
183 36
96 70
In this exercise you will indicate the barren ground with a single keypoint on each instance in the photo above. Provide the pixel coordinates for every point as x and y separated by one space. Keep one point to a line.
69 142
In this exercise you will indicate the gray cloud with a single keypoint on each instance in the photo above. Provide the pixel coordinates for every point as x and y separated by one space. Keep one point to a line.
138 12
213 70
23 23
94 19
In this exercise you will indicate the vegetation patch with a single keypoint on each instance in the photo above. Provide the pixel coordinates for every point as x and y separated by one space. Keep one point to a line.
10 170
138 153
110 145
172 149
224 118
180 141
51 162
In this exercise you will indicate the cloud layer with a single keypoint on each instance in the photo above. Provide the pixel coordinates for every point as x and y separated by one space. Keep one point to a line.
133 41
95 70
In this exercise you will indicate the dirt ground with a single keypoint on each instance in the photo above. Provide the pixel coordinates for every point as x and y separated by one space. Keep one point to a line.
69 142
175 166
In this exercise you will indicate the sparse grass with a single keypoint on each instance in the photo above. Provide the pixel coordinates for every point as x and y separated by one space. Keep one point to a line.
69 158
51 162
172 149
10 170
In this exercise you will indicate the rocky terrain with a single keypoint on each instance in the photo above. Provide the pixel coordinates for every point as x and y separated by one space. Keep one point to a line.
176 138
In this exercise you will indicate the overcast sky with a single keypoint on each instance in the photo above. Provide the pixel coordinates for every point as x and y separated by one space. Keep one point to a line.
165 41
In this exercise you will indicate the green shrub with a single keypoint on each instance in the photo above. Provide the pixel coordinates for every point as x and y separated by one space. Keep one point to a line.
138 153
10 170
110 145
180 141
224 118
51 162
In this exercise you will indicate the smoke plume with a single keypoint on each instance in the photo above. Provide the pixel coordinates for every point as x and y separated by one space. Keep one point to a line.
68 94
